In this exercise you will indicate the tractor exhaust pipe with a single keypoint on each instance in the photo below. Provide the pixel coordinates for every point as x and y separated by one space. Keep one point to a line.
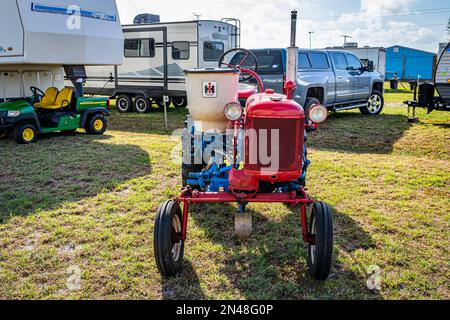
292 51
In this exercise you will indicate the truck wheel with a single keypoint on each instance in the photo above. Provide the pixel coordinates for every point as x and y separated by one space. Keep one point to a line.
124 104
310 101
142 104
320 254
25 134
179 102
375 104
168 243
97 124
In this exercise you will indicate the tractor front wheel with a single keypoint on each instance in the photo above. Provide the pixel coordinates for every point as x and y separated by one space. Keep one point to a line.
97 125
320 250
25 134
168 243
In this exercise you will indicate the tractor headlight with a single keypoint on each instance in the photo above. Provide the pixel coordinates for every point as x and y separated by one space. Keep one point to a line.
13 114
318 113
233 111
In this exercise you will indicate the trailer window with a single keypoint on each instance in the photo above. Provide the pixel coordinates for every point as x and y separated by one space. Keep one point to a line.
139 48
180 50
212 51
319 60
339 61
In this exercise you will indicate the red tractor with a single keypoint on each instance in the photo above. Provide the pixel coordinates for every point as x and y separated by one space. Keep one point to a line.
245 155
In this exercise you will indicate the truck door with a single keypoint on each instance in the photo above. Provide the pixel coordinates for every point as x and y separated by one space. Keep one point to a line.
145 63
361 79
344 80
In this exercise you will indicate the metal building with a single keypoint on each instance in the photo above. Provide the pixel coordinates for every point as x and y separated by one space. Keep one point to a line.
409 64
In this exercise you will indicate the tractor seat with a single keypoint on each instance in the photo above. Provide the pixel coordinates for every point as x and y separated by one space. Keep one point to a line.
48 99
62 101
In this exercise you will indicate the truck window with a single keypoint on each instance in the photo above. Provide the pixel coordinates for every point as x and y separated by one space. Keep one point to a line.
139 48
180 50
353 62
212 51
269 61
319 60
303 61
340 62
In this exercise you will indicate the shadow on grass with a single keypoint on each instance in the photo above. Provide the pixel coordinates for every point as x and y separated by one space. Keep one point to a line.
61 169
356 133
184 287
273 263
149 123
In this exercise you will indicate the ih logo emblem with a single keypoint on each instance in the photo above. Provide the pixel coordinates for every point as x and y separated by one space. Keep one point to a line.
209 89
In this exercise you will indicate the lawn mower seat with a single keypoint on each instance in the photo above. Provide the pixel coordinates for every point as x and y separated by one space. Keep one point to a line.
48 99
63 100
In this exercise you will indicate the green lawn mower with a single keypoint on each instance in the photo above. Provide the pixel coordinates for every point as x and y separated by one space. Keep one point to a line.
52 111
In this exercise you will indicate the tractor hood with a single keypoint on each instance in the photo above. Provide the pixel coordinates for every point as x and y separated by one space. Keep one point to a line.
21 105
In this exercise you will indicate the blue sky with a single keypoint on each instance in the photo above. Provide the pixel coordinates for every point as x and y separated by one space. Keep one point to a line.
416 23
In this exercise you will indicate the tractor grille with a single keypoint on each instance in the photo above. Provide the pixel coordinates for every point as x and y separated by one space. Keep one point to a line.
290 136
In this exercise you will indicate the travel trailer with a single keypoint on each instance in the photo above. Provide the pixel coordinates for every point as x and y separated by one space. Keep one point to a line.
155 57
40 40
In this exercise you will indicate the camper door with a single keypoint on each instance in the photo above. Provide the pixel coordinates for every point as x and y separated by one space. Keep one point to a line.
145 59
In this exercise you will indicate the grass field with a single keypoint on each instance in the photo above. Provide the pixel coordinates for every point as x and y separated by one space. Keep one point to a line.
77 214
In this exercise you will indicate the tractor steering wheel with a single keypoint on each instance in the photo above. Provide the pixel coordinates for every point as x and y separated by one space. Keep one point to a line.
37 92
249 62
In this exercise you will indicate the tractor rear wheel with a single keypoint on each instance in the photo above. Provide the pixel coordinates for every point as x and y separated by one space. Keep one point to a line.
320 253
168 243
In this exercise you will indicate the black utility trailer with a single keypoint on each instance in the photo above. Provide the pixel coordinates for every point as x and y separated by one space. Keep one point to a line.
424 93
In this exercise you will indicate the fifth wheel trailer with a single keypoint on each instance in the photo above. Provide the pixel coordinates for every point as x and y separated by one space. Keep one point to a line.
155 57
39 39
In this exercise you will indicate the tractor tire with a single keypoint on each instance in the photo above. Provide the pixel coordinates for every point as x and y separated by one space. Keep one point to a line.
168 243
97 125
320 254
25 134
142 104
124 104
375 104
179 102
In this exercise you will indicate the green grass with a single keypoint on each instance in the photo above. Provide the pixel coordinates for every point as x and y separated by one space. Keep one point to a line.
89 203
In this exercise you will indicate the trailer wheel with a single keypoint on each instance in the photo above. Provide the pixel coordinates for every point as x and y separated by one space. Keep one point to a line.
25 134
320 253
375 104
179 102
124 104
142 104
168 243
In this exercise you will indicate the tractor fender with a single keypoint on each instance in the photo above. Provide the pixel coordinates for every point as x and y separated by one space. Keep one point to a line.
90 112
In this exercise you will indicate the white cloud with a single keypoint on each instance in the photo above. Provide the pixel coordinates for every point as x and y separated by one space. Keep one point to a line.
265 23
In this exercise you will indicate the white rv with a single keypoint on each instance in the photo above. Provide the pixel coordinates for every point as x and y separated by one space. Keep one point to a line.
375 54
39 38
155 56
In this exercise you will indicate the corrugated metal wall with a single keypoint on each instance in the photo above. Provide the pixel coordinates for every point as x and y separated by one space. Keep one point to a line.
409 63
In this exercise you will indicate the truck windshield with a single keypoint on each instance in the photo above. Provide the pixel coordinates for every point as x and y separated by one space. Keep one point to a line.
269 61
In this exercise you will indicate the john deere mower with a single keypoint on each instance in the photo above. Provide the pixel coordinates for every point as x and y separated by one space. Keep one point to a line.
52 111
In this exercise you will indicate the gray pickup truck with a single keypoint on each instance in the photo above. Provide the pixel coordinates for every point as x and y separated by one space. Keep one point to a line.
336 79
